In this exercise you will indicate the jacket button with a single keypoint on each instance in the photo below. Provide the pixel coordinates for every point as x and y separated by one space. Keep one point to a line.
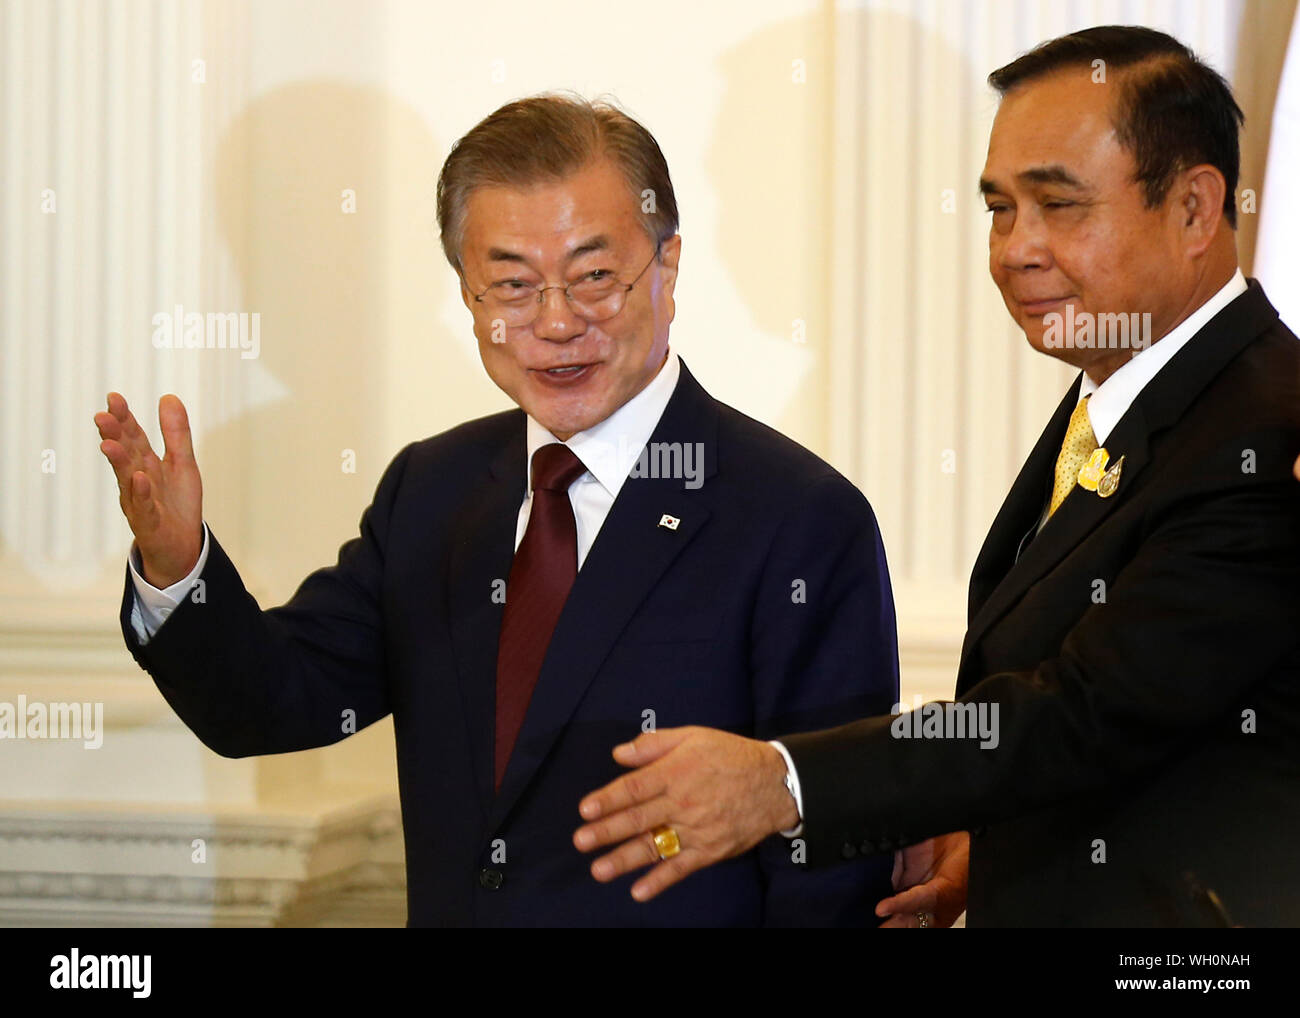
491 880
849 850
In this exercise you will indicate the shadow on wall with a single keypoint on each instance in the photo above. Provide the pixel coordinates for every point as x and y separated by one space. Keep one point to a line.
324 194
775 145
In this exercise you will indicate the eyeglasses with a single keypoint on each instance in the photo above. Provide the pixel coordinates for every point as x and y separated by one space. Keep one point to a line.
595 297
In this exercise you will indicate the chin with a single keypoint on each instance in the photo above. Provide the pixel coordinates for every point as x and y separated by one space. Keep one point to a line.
566 422
1033 331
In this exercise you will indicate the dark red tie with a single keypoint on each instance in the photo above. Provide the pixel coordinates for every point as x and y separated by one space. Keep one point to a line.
543 570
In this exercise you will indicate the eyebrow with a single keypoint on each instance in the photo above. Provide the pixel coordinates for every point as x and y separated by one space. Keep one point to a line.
1052 174
600 242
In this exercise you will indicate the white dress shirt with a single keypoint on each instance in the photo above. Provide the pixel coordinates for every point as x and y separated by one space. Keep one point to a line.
608 450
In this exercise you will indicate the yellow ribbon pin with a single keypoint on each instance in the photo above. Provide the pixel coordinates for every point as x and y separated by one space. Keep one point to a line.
1091 473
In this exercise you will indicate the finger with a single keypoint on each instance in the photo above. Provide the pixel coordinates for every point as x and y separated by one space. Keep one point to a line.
640 786
921 898
900 922
669 872
129 433
175 425
116 404
138 505
108 425
120 461
124 467
622 825
649 747
634 854
145 509
896 877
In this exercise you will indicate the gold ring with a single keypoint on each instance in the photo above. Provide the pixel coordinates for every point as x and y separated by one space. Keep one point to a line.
667 844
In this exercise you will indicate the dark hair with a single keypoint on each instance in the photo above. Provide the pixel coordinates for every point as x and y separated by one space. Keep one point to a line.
547 137
1173 110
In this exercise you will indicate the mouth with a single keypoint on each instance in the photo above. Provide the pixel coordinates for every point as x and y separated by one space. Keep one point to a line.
1043 305
563 376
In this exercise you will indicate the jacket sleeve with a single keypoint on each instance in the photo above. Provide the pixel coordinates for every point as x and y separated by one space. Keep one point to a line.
824 651
306 674
1202 613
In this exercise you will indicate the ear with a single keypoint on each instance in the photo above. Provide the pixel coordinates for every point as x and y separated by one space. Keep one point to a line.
1199 193
466 297
669 254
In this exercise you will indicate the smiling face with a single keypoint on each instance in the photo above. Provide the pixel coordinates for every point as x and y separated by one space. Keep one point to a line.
1069 220
565 372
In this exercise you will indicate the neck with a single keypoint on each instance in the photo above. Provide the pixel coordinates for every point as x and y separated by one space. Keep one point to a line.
1213 277
1104 368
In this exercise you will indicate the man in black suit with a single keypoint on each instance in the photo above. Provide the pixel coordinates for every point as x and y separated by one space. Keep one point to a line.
673 562
1125 747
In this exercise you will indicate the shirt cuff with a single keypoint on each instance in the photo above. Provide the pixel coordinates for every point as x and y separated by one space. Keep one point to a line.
152 604
793 775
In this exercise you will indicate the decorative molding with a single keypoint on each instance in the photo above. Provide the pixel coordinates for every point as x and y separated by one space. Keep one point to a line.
96 867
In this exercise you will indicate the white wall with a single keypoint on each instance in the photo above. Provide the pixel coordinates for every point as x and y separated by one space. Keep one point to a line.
197 153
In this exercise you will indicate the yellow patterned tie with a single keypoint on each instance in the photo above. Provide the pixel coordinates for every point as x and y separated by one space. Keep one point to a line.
1079 444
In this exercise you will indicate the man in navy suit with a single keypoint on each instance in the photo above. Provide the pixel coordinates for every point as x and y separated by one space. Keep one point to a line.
619 552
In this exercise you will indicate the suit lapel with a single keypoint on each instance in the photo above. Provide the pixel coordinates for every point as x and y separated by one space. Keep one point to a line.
481 554
1076 517
630 554
1021 508
1160 403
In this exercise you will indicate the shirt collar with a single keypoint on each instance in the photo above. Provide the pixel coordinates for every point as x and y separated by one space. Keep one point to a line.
1111 400
610 449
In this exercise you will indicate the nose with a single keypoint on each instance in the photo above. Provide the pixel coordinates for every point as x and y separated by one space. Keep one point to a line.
1025 245
556 321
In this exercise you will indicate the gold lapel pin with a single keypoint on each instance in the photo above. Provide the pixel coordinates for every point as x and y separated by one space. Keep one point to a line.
1110 482
1090 474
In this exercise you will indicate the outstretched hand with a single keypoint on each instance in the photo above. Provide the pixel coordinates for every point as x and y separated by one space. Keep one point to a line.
721 793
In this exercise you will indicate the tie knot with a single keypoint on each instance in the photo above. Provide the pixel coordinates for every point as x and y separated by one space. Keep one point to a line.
555 467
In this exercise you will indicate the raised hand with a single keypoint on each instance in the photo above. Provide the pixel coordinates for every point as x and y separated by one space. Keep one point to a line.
161 499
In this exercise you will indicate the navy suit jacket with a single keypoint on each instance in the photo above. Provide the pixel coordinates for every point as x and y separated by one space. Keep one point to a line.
767 610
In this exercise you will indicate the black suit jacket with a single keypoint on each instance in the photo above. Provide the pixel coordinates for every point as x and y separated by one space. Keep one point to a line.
767 609
1144 653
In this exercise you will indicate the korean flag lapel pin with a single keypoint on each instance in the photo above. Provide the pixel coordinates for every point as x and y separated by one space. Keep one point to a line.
669 522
